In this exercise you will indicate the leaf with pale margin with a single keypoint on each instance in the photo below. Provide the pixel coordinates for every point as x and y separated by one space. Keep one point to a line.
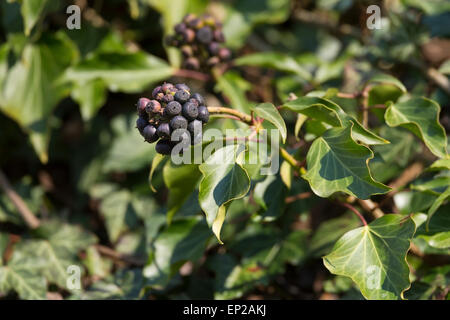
374 257
387 79
436 204
329 112
440 164
268 112
420 116
157 159
223 180
181 181
337 163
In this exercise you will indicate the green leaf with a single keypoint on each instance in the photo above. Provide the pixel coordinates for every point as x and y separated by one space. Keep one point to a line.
155 162
337 163
27 284
40 69
181 180
387 79
440 164
270 194
223 180
268 112
329 112
234 88
128 150
421 116
31 11
184 239
274 60
121 71
91 96
329 232
374 257
437 203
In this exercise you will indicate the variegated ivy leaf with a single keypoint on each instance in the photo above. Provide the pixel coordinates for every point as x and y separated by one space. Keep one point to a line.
374 257
268 112
337 163
224 180
420 116
329 112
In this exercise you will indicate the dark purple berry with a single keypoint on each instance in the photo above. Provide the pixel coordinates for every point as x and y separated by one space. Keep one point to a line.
203 114
204 35
194 101
211 62
167 98
199 98
218 36
180 27
213 48
149 134
166 87
195 127
178 122
163 130
190 111
153 107
142 102
224 54
182 96
156 91
188 35
182 86
195 23
164 147
141 123
192 63
173 108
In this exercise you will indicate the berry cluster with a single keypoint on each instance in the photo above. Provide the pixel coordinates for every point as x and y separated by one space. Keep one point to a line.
173 107
199 39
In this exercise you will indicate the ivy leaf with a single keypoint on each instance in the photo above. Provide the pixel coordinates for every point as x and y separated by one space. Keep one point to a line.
436 204
39 69
120 71
420 116
374 257
337 163
234 87
268 112
31 11
18 277
181 180
274 60
185 239
157 159
329 112
91 96
223 180
384 78
440 164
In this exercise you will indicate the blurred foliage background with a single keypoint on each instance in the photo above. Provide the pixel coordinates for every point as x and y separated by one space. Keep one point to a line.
69 147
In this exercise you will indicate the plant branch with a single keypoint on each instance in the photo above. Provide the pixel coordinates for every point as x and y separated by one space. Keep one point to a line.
355 211
191 74
290 159
228 111
25 212
111 253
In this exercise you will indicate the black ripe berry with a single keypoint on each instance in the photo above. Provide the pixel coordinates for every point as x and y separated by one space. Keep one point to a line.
141 123
178 122
164 147
213 48
190 110
199 98
153 107
174 116
163 130
204 35
142 102
182 86
182 96
167 98
203 114
149 134
172 109
192 63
